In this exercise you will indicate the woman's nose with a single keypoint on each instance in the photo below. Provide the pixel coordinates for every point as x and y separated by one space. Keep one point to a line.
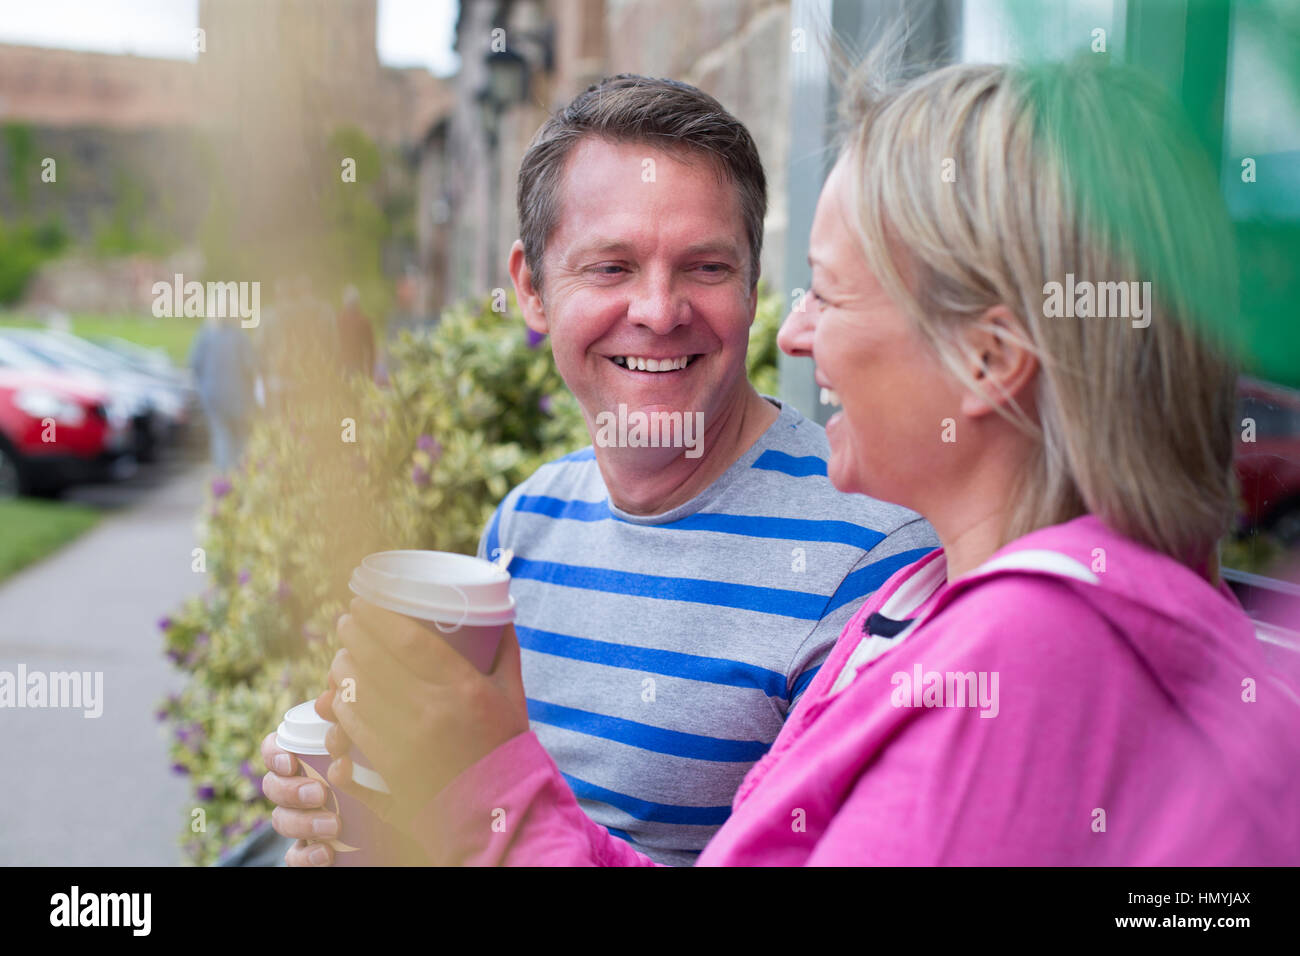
796 335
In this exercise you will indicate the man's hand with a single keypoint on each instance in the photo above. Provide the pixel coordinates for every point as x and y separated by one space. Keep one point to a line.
417 710
295 815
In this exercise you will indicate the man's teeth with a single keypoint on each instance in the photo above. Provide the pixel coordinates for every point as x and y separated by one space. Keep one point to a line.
652 365
829 397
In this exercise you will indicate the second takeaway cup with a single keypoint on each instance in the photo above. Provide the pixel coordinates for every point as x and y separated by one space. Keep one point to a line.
465 601
364 839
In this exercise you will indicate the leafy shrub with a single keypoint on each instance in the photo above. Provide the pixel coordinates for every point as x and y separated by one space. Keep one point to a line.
473 408
23 248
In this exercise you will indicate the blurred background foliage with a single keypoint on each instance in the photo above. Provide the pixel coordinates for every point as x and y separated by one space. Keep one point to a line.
331 239
25 243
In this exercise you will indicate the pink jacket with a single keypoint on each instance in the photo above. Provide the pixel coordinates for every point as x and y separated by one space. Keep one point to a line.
1132 721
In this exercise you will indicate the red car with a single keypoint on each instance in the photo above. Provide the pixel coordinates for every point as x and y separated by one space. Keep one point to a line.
1268 468
56 429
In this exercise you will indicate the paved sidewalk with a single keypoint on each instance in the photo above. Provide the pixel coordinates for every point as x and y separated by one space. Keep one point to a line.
90 792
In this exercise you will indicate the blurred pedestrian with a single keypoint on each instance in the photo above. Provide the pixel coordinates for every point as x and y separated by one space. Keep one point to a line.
356 339
224 373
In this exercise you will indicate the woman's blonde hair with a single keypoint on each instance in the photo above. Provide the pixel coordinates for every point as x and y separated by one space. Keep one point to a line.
976 186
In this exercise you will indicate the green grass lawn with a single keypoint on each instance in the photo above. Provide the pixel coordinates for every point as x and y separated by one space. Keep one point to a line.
174 336
30 529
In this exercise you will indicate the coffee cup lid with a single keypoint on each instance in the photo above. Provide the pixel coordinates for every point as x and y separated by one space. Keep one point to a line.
448 588
303 730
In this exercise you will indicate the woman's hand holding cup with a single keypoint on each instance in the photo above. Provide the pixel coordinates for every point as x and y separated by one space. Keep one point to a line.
299 807
418 710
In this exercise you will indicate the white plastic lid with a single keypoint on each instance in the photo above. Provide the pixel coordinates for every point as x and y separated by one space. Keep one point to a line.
303 730
453 589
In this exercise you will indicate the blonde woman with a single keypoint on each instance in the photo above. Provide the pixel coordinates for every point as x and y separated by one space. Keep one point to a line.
1067 681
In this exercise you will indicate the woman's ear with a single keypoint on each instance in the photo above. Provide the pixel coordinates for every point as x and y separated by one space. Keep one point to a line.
529 296
1000 358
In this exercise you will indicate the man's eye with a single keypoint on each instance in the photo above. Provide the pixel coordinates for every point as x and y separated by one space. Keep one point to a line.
715 268
610 270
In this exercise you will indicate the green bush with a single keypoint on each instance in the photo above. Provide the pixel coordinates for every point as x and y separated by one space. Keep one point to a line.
23 248
471 410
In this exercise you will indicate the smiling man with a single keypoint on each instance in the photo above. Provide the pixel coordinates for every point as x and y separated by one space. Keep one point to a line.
675 597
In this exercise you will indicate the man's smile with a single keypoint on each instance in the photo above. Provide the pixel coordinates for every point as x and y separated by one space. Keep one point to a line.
642 364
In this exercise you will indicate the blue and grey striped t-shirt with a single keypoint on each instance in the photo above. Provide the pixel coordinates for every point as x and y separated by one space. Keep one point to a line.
662 654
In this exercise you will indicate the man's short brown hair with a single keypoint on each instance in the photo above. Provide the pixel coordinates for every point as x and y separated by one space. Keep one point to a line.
628 108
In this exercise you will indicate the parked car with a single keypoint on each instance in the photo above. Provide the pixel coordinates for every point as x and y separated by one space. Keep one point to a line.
127 388
184 412
56 429
1268 467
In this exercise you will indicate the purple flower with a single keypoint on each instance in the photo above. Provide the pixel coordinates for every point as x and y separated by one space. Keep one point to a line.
173 699
191 735
220 487
420 476
430 444
535 339
244 576
545 403
283 590
164 623
174 656
160 715
246 770
206 792
229 830
180 769
202 639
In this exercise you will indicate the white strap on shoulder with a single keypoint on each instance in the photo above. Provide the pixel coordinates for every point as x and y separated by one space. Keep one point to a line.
1040 559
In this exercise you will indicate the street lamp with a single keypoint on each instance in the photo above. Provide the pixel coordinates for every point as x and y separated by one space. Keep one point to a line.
506 86
507 78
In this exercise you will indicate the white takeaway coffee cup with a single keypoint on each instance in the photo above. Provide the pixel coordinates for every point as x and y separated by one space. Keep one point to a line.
464 600
363 839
